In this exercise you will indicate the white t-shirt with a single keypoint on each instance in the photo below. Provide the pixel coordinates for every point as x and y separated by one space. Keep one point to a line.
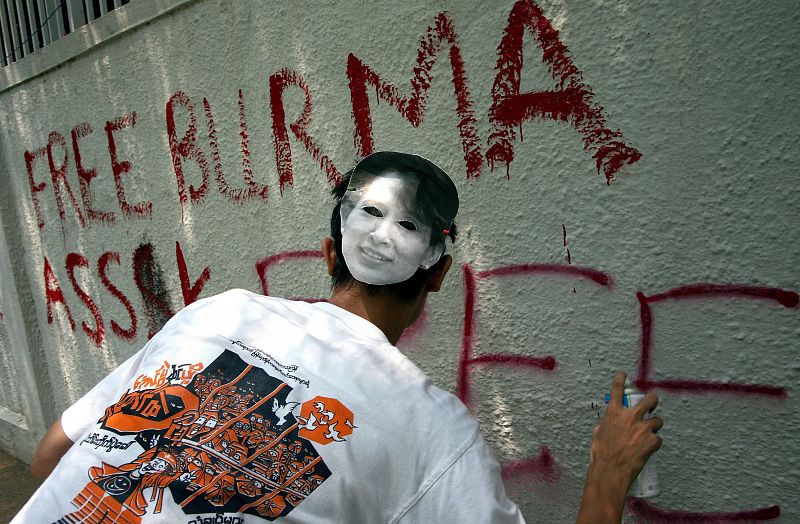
246 408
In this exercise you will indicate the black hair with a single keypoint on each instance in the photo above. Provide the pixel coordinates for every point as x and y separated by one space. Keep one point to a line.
405 291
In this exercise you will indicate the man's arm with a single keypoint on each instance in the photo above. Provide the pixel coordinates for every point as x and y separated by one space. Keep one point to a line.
51 448
621 445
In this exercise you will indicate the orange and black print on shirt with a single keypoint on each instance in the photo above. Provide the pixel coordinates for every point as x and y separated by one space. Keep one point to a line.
226 442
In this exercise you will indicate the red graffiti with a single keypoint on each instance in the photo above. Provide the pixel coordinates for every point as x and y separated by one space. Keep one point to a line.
652 514
598 277
98 334
30 159
102 266
788 299
140 209
246 166
59 165
150 281
572 101
235 195
278 83
254 187
190 291
59 176
85 177
238 195
467 360
148 278
413 107
262 191
186 148
53 294
543 467
265 263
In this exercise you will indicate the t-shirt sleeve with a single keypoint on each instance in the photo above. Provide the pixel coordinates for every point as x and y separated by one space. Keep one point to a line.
471 490
86 411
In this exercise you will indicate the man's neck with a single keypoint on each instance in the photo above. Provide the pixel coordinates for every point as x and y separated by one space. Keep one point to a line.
389 315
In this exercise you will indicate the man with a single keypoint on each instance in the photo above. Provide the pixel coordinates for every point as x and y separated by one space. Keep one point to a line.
308 412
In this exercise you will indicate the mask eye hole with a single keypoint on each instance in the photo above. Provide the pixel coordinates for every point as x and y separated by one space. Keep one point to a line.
408 225
372 210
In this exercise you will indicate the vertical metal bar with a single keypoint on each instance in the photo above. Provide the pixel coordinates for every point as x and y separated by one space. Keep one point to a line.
89 10
28 36
76 14
103 7
72 21
17 30
6 58
56 21
35 25
117 4
44 23
8 32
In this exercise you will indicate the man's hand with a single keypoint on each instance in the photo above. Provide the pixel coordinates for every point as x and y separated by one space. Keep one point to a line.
621 445
623 440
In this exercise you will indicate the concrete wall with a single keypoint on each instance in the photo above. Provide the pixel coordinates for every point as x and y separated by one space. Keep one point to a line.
628 173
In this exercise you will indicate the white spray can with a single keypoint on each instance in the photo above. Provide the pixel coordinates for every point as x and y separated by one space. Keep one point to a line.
646 483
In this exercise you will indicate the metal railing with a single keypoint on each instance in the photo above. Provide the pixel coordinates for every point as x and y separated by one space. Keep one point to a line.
28 25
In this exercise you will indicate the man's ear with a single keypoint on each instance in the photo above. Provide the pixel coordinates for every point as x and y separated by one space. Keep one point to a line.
438 272
329 254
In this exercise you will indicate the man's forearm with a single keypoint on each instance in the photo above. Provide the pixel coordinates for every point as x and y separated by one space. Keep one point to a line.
51 448
603 496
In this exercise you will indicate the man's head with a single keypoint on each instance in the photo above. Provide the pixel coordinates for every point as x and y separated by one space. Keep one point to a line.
393 213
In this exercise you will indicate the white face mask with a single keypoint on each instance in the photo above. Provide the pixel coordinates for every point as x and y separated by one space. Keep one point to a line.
385 237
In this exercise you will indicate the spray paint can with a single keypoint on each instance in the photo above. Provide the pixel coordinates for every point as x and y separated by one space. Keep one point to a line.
646 483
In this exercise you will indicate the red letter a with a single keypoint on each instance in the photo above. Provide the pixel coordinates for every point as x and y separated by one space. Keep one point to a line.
572 101
53 293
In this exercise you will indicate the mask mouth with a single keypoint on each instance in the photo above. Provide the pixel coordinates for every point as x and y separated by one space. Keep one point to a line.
375 254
